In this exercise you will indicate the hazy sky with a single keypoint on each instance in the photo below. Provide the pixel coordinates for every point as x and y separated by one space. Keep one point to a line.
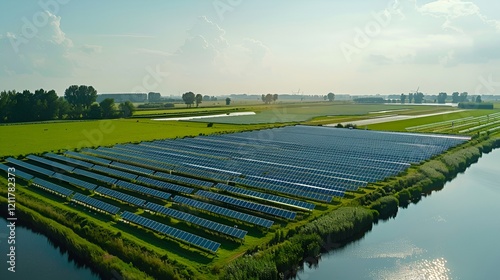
251 46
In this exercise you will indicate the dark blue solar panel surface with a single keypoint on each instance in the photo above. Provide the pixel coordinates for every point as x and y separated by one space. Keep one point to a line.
51 163
143 190
182 179
31 167
90 201
120 196
231 231
224 211
265 196
98 177
114 172
164 185
249 205
75 181
172 232
17 173
69 160
88 158
53 187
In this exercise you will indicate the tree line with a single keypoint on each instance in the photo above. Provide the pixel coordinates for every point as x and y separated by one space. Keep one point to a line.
79 102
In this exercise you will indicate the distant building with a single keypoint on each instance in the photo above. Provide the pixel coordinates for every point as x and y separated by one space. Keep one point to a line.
122 97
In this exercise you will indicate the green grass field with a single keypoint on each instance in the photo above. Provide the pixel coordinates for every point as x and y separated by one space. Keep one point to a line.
403 124
36 138
22 139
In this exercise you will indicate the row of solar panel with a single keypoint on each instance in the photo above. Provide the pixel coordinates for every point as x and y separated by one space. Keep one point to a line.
120 196
264 184
265 196
172 232
143 190
16 173
223 211
52 187
164 185
248 205
176 178
183 216
95 203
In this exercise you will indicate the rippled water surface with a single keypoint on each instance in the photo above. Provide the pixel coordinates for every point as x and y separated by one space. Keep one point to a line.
451 234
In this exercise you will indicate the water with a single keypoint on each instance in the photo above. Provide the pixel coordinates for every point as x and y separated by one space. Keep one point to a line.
37 258
451 234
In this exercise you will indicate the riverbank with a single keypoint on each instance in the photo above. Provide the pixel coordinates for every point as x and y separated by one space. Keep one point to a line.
381 201
275 256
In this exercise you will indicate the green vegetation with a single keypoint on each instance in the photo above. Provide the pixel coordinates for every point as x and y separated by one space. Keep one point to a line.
17 139
403 124
136 253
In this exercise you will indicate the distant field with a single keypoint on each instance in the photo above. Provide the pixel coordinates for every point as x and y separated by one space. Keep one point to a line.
403 124
35 138
307 111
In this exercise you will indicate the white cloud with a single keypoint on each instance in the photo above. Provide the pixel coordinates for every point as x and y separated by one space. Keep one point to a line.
91 49
452 10
38 49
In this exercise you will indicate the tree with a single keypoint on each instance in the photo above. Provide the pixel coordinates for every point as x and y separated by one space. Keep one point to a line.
82 96
410 97
455 97
331 96
206 98
95 111
63 108
268 98
228 101
188 98
108 108
478 99
441 99
198 98
463 96
403 98
275 97
154 97
418 97
127 108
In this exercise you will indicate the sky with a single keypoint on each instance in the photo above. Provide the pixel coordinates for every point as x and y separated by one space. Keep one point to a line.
219 47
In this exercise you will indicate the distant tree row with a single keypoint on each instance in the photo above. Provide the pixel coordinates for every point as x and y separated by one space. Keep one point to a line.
78 103
268 98
417 98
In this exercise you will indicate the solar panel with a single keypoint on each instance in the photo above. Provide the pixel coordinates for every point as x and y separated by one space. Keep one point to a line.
164 185
251 219
31 167
248 205
95 203
114 172
62 191
143 190
71 161
98 177
187 180
187 237
267 197
179 215
75 181
18 173
88 158
120 196
132 168
51 163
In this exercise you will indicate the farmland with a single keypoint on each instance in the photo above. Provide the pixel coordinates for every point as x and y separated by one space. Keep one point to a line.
254 167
